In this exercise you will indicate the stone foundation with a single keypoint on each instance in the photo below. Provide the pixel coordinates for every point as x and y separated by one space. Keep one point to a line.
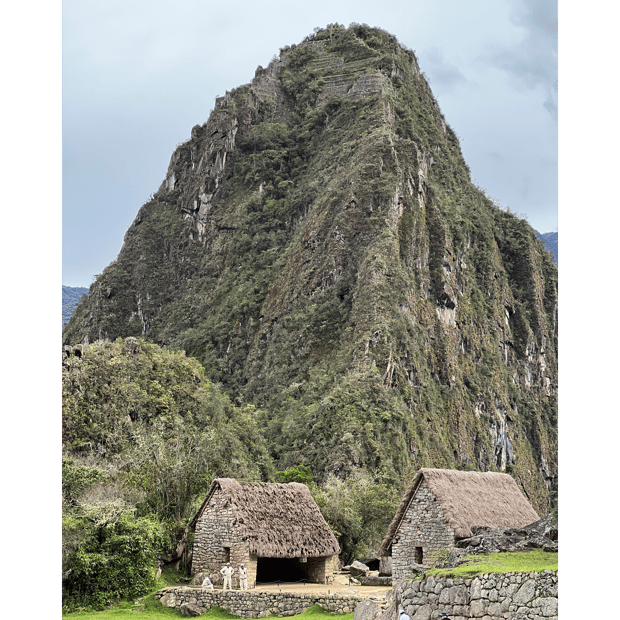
502 596
256 604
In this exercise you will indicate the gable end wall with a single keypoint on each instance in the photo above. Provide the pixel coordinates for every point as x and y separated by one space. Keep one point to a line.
216 530
423 526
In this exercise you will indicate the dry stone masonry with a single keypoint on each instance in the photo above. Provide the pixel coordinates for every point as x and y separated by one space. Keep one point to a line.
422 536
216 544
254 604
490 596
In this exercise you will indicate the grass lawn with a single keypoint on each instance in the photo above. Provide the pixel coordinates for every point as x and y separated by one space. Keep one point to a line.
518 562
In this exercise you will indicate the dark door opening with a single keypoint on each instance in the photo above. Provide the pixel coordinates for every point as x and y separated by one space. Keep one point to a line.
419 554
269 570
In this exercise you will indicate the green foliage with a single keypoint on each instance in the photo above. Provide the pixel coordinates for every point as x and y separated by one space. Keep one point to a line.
148 606
76 478
115 560
144 434
299 473
156 410
359 511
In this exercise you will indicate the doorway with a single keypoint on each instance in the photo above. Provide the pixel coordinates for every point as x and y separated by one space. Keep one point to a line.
419 555
270 570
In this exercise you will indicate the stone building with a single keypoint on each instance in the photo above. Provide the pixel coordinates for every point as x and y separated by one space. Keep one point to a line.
276 530
440 506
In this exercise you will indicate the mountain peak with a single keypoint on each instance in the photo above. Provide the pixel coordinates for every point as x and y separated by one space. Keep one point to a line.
319 246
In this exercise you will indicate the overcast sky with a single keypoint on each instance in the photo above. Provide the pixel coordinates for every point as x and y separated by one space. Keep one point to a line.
138 75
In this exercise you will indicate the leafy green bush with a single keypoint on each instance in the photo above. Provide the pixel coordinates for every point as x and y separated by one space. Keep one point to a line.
299 473
116 560
359 511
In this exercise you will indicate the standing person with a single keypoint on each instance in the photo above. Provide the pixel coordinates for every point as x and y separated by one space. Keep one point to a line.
227 571
206 584
243 577
403 615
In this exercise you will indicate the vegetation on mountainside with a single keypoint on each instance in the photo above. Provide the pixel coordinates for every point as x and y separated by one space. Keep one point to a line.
71 296
350 282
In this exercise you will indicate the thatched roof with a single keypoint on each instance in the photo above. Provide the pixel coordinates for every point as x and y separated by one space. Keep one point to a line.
276 520
468 498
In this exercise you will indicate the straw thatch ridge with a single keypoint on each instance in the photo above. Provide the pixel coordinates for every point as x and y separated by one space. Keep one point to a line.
468 498
276 520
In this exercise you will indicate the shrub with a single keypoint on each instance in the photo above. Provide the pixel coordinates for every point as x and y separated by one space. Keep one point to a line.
115 561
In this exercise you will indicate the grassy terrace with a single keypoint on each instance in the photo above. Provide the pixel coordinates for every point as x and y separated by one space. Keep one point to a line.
518 562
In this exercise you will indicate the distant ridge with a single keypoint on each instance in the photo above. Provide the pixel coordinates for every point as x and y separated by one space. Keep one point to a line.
71 295
550 239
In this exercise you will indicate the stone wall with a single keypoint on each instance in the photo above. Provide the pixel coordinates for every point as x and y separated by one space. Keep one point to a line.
216 542
320 569
423 527
492 596
255 604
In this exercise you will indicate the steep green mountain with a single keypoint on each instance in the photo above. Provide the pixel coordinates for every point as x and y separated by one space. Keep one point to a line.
71 296
319 246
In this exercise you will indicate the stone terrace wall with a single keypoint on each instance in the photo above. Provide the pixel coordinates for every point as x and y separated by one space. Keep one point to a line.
255 604
504 596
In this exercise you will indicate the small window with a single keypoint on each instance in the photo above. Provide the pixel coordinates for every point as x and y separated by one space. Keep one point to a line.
226 554
418 555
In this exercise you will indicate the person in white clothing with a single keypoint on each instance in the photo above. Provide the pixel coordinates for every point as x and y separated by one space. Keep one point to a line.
227 571
243 577
206 584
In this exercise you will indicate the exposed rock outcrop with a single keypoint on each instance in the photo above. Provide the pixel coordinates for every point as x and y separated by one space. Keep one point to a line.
319 245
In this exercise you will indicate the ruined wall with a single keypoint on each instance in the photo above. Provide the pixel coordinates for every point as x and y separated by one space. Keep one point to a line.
423 526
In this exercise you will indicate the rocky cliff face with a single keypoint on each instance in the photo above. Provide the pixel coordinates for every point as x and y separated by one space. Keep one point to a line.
319 246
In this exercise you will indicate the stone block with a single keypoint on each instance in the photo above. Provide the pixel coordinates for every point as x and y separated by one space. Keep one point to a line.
191 610
366 610
477 608
526 592
357 568
476 589
494 609
549 606
422 613
429 584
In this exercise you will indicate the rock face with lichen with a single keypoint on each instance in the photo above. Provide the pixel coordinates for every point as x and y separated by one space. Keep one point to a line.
319 246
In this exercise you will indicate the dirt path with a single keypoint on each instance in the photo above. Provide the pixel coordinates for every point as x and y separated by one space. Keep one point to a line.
340 585
375 592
